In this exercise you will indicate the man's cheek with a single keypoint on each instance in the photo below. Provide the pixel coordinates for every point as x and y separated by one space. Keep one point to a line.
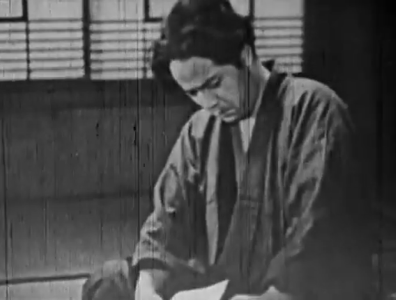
197 101
228 96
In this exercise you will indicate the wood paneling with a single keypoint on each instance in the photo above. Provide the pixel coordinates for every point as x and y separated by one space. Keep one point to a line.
88 151
50 238
79 176
33 96
30 157
62 290
3 257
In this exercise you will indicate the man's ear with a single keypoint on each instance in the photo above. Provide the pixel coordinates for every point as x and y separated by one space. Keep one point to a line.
247 56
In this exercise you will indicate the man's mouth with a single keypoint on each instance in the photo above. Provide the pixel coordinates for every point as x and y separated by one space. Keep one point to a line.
226 113
221 112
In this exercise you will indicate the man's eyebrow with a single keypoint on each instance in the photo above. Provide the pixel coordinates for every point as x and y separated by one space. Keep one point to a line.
203 85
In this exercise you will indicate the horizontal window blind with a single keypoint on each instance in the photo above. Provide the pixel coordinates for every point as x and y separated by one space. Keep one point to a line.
13 51
281 38
121 50
54 49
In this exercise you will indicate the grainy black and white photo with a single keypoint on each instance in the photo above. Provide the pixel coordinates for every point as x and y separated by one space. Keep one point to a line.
197 150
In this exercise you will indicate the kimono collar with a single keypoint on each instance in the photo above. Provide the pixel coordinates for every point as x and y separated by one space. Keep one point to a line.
273 84
269 65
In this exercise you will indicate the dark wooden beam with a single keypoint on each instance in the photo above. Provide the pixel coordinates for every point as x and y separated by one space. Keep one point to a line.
87 38
40 279
252 9
25 16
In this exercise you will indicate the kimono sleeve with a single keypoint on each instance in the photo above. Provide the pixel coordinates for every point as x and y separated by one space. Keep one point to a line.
324 254
167 237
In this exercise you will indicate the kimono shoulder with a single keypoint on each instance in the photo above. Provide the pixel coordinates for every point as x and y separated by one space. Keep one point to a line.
306 97
323 252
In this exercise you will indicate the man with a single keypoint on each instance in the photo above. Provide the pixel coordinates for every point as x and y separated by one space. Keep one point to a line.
258 189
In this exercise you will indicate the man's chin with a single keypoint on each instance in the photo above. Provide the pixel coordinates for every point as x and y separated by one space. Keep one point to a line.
230 119
233 118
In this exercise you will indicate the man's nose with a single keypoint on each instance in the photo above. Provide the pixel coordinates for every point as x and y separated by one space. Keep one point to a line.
207 99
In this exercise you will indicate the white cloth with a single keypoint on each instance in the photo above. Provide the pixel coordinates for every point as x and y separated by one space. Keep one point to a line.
212 292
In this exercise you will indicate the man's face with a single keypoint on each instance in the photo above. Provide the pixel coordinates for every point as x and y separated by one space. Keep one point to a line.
219 89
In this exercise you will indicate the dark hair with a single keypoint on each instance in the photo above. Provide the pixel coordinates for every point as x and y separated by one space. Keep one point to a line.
203 28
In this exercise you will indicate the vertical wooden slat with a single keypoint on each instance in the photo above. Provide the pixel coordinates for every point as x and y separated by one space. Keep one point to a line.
146 10
3 205
110 211
252 9
130 149
86 12
27 35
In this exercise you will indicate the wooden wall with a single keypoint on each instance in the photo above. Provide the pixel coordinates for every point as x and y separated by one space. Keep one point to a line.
350 46
3 256
81 159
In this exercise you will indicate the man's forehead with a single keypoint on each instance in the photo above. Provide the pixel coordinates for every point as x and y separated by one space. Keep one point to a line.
193 71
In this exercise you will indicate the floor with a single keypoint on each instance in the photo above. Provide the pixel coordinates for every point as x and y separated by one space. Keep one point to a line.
61 290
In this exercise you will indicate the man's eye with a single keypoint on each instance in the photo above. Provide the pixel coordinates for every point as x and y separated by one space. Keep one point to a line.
193 93
215 83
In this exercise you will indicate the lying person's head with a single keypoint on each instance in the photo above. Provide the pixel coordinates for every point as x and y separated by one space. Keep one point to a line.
208 50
